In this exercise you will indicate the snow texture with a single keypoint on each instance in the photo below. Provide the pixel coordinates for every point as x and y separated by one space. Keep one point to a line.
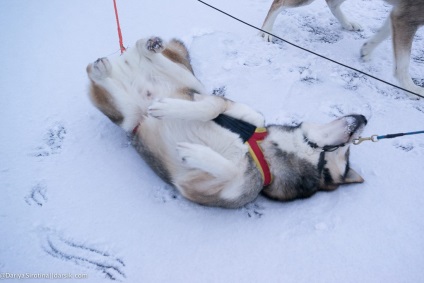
76 198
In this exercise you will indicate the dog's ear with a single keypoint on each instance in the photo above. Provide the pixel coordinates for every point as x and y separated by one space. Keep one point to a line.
352 177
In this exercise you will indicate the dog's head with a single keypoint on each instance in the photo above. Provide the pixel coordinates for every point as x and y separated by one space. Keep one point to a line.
311 157
330 144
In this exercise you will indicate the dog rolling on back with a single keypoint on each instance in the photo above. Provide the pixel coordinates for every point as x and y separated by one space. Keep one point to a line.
403 22
151 92
278 5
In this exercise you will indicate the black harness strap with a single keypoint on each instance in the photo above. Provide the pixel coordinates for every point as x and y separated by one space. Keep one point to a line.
244 129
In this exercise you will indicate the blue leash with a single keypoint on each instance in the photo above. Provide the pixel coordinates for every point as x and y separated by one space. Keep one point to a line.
376 138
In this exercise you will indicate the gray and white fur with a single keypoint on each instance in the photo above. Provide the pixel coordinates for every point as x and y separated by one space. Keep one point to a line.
151 90
402 24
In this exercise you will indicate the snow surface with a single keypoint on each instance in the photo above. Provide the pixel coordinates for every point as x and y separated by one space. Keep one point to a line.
76 198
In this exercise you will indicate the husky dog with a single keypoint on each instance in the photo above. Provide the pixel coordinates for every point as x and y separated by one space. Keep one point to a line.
184 134
278 5
403 22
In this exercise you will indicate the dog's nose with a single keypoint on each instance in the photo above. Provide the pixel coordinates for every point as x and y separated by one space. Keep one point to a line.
356 122
360 119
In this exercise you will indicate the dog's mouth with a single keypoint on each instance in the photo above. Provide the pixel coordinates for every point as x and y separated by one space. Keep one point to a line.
336 134
333 163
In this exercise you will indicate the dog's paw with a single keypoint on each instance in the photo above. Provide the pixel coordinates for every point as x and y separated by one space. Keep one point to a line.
267 37
100 69
158 109
414 91
192 155
419 91
155 44
166 108
365 51
353 26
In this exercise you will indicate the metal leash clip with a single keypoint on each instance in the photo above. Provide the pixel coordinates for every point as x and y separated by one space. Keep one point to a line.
373 138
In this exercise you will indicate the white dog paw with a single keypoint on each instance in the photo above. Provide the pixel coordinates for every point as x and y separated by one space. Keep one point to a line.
101 68
155 44
164 108
192 155
267 37
157 109
366 52
150 45
417 90
352 26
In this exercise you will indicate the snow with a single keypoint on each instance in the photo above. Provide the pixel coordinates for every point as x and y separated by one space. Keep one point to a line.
76 198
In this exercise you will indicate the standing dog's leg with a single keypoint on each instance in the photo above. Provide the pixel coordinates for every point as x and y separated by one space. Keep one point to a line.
276 7
371 44
403 35
334 6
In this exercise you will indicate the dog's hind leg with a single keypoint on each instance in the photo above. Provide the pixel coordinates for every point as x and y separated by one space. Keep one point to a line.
177 52
403 35
170 61
213 180
334 6
204 158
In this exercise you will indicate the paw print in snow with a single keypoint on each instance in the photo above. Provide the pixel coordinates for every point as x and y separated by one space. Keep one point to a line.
253 210
95 259
38 195
53 141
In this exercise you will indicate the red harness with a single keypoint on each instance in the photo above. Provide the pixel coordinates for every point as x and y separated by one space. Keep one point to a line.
257 154
134 131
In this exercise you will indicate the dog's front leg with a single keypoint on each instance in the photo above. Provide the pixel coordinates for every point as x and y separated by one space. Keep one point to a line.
245 113
276 8
204 108
334 6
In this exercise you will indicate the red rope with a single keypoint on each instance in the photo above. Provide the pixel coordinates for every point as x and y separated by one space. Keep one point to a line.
121 44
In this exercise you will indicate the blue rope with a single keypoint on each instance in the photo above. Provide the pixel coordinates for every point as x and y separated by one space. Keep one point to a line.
376 138
390 136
